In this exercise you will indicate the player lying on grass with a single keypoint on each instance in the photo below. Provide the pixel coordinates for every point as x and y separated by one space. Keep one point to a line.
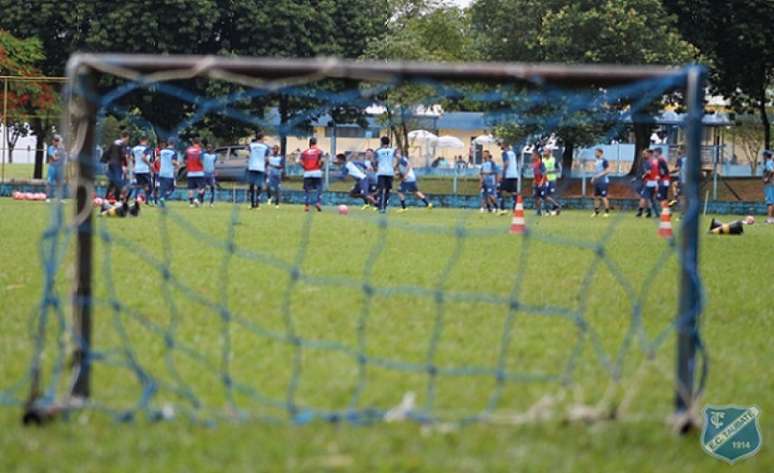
488 181
733 228
312 161
600 180
357 171
408 182
276 169
120 209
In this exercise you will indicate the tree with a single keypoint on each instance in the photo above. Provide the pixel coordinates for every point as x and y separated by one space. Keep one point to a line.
582 31
736 37
26 100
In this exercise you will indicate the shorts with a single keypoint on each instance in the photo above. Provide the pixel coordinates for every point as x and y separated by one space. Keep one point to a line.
372 186
116 177
600 189
384 183
509 184
54 174
274 181
209 179
166 186
551 188
663 192
406 187
196 182
312 183
648 192
361 187
768 191
489 190
143 180
539 191
255 178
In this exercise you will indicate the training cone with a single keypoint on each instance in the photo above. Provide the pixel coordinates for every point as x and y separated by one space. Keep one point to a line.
518 226
665 226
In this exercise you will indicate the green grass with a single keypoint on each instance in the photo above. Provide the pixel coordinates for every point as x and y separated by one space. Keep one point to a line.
18 171
737 324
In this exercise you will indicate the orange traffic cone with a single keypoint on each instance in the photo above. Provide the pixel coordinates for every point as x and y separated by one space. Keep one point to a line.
665 226
518 226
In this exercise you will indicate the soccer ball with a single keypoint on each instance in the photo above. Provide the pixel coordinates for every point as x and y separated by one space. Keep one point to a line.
749 220
16 195
196 203
343 209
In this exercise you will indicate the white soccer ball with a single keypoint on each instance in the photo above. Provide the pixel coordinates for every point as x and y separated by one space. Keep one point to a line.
196 203
343 209
749 220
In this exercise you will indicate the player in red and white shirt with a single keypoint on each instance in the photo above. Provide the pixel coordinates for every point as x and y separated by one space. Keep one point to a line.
195 172
312 161
650 179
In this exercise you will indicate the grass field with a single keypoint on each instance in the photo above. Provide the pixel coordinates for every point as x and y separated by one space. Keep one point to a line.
467 258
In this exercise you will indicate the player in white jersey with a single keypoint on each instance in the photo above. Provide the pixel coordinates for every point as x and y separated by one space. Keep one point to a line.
408 182
357 171
256 169
209 158
141 156
276 170
385 170
600 180
167 169
510 179
488 182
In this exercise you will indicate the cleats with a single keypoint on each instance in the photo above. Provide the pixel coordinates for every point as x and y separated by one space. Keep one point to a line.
402 211
429 206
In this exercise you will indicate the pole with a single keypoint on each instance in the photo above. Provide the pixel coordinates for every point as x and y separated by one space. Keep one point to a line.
690 297
5 129
333 156
83 122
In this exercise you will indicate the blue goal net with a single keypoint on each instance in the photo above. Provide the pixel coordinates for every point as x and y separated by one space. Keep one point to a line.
489 278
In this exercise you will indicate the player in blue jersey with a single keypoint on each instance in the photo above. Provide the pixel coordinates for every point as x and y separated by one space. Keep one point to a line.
488 181
601 180
408 182
141 160
256 169
357 171
276 170
385 171
209 158
167 170
510 179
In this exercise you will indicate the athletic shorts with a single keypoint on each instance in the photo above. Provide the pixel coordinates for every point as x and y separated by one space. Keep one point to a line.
274 181
196 182
312 183
408 187
551 188
768 191
360 188
663 192
384 182
166 186
539 191
255 178
489 190
509 184
648 192
116 177
209 179
143 180
600 189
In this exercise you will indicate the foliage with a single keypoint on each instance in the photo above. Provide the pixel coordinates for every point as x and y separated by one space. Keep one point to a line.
736 37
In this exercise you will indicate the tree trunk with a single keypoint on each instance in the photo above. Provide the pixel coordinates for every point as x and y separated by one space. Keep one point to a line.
765 122
38 129
567 156
642 133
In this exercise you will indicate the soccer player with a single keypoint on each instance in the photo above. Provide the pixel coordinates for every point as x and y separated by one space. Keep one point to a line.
276 169
370 169
312 162
768 184
600 179
56 158
209 158
155 183
664 181
408 182
167 170
385 169
141 155
488 180
552 174
678 176
115 157
539 181
357 172
195 173
256 169
510 180
650 178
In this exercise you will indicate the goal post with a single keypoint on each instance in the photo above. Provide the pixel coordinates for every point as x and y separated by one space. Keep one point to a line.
85 71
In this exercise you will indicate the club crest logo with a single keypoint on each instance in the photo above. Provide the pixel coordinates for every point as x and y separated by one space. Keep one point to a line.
731 432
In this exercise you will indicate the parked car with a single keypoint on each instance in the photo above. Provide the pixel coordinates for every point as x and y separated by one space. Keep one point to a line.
230 165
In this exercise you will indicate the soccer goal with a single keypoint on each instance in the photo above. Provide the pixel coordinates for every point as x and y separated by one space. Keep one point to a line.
264 309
